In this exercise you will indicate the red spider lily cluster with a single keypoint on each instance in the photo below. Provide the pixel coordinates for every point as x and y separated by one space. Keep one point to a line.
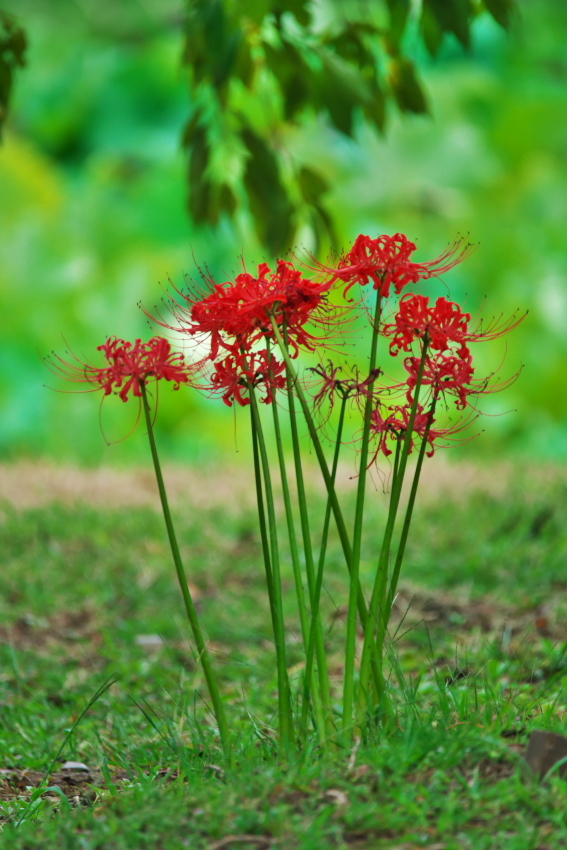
237 315
232 325
234 320
442 333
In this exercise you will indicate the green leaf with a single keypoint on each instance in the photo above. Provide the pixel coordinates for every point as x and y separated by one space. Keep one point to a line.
406 88
334 69
244 67
312 185
269 201
340 111
350 44
431 31
227 200
254 10
501 11
300 9
191 128
375 110
323 225
13 41
399 11
341 88
293 74
13 45
212 41
452 16
199 186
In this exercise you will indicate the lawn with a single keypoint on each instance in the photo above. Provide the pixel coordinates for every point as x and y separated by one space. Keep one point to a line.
89 604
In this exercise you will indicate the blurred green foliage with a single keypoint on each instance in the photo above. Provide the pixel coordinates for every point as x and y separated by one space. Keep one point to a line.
93 211
261 68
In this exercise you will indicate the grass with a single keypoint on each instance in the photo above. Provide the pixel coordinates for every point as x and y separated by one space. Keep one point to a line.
478 659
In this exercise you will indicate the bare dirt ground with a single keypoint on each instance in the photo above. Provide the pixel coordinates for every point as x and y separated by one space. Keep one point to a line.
31 484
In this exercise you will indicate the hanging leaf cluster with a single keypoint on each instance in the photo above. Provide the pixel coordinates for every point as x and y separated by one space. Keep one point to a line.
259 69
12 52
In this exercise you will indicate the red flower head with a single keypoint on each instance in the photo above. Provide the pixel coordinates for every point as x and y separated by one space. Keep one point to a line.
236 315
442 324
235 374
385 428
395 425
129 366
386 262
444 374
353 387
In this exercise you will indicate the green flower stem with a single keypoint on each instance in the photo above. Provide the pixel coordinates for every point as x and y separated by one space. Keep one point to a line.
285 718
191 612
262 520
408 517
323 551
316 628
376 609
298 578
329 483
352 620
396 466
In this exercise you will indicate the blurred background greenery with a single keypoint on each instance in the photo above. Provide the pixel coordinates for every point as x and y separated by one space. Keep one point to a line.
94 217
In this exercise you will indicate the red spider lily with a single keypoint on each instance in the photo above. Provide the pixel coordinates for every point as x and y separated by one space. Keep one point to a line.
443 323
385 428
331 385
394 427
396 424
130 366
386 262
444 374
235 374
352 387
236 315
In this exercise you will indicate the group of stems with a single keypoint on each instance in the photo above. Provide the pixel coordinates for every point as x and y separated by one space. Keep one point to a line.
316 692
362 701
362 698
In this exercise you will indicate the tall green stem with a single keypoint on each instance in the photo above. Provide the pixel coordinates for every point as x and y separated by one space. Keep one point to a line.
262 520
316 629
299 590
285 718
396 466
377 602
191 612
315 619
348 693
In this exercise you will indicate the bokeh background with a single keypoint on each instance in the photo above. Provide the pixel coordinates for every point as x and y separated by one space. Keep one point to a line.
94 220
